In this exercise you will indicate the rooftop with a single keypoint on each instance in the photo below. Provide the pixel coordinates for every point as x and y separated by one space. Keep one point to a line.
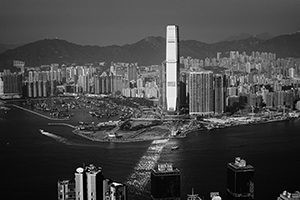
165 168
115 184
240 164
64 182
92 169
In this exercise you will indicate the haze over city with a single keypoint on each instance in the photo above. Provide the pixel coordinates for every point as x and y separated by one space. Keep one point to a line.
112 22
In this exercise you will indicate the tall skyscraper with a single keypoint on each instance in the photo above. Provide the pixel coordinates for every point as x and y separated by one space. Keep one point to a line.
240 183
172 68
89 183
80 184
165 183
94 182
201 93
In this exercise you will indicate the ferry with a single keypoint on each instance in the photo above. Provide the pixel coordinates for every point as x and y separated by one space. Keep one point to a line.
42 131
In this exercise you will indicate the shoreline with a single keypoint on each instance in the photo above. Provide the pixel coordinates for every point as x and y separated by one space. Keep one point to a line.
84 134
36 113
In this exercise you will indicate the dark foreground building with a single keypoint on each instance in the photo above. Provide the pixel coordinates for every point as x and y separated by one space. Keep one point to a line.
165 183
240 185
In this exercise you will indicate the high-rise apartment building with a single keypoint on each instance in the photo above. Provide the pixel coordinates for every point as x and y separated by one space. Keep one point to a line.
201 101
162 86
66 189
183 93
1 86
12 83
132 71
240 183
172 68
103 82
165 183
219 94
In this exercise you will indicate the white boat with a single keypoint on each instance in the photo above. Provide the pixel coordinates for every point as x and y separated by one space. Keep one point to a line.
42 131
58 138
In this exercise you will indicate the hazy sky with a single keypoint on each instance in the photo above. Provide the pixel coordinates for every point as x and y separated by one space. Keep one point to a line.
108 22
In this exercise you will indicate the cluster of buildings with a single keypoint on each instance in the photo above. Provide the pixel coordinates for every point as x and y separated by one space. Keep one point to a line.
50 80
90 184
212 86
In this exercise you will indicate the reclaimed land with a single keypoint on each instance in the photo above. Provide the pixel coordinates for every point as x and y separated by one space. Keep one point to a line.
150 133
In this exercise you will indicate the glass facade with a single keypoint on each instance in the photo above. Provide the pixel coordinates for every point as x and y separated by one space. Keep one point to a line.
165 185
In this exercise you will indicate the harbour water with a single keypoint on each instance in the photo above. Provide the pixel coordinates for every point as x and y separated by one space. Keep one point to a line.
31 162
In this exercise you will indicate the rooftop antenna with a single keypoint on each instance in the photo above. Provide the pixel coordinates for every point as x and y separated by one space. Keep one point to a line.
193 196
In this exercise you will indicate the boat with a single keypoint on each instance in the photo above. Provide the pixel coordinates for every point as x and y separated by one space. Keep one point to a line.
174 148
58 138
44 132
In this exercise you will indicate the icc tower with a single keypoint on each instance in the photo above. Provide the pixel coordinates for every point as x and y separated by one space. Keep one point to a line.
172 68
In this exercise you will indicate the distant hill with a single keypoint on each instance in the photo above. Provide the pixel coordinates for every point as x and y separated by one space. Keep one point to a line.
264 36
4 47
243 36
150 50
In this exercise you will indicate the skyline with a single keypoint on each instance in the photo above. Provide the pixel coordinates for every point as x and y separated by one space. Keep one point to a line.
112 22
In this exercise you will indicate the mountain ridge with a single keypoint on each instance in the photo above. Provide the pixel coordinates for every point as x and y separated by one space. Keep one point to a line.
5 47
242 36
147 51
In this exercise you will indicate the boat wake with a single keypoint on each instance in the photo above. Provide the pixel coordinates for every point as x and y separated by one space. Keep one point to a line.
55 137
142 171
